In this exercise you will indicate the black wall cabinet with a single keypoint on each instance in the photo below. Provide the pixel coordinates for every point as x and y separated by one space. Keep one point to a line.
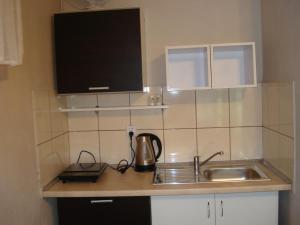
98 51
104 211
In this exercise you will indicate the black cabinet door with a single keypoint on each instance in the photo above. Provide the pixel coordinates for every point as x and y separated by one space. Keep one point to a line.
104 211
98 51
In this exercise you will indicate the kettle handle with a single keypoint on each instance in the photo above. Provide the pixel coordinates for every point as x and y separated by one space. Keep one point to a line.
158 142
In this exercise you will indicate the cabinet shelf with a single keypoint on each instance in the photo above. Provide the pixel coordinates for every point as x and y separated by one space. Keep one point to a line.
233 65
112 108
188 67
230 65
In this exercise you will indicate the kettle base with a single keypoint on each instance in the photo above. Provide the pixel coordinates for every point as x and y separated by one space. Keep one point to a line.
147 168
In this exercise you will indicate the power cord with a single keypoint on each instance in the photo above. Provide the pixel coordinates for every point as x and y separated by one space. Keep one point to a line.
124 165
88 165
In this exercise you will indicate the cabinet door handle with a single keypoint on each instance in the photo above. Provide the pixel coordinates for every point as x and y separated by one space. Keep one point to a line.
222 209
101 201
98 88
208 210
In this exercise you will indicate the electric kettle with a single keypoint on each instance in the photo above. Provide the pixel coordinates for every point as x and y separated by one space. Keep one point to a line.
146 156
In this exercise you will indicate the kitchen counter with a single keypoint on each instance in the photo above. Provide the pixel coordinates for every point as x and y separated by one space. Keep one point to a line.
112 183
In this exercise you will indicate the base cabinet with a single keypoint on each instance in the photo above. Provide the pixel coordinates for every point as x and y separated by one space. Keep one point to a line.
220 209
104 211
183 210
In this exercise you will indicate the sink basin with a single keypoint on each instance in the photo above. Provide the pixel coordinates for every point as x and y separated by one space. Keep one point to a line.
173 174
234 173
184 174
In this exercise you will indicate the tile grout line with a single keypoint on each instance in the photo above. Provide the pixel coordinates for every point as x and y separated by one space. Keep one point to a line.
184 128
163 124
52 139
277 132
196 119
230 144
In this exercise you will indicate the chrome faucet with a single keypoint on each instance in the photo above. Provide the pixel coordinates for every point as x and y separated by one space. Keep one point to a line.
198 164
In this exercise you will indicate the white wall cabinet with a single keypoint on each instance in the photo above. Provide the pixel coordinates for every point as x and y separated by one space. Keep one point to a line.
188 67
220 209
211 66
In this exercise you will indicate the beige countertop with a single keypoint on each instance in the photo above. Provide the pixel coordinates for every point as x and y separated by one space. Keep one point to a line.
112 183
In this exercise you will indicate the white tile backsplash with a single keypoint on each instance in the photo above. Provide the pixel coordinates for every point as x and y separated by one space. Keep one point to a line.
82 101
53 158
271 147
114 146
88 141
207 144
114 120
195 122
278 121
212 108
182 109
245 107
286 156
83 121
59 120
151 96
180 145
42 119
286 109
246 143
147 119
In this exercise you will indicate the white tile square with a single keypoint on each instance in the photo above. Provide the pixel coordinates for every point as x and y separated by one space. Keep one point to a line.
271 147
180 145
212 108
286 156
82 101
82 121
213 140
50 163
271 105
62 149
42 121
145 119
43 152
245 107
246 143
114 120
150 96
286 108
279 151
160 135
89 141
182 109
114 146
59 120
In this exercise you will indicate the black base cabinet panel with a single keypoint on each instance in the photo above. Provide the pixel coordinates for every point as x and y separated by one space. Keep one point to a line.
104 211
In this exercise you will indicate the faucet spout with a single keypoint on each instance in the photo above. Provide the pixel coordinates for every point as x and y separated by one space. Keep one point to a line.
211 157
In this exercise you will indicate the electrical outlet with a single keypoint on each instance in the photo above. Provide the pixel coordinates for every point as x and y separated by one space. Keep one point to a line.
131 129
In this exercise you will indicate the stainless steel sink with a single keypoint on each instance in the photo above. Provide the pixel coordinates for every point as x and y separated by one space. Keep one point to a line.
174 174
234 173
185 174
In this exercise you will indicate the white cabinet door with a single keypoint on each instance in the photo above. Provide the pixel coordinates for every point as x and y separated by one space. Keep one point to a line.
183 210
247 208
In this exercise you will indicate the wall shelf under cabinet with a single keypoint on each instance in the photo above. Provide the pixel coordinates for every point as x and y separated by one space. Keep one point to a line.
112 108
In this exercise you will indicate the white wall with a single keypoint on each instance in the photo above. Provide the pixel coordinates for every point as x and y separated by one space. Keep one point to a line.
281 35
20 200
188 22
